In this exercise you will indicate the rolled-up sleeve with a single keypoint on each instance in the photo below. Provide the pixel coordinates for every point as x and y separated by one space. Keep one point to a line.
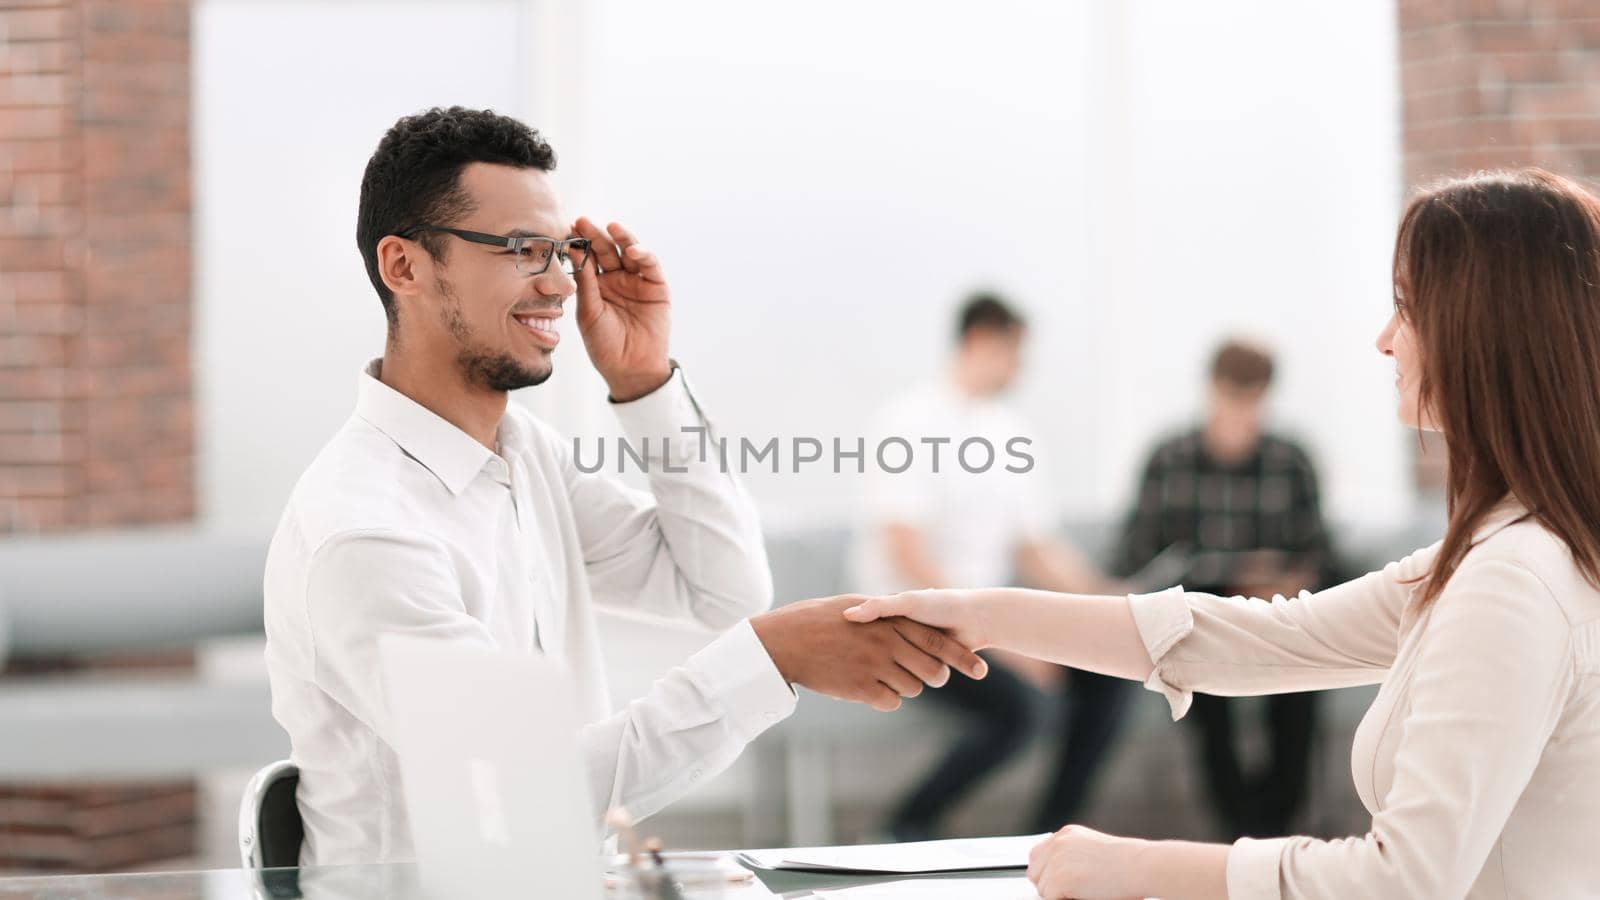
1239 646
1492 671
1163 619
1253 868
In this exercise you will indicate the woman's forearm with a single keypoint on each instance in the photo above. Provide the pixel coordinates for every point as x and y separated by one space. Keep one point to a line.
1182 870
1082 862
1083 631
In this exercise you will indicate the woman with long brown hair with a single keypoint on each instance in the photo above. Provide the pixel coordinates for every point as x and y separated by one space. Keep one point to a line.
1480 758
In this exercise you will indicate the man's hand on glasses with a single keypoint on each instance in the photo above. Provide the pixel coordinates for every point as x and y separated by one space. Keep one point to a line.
623 311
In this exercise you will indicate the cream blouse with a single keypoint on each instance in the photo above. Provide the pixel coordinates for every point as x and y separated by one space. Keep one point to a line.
1480 758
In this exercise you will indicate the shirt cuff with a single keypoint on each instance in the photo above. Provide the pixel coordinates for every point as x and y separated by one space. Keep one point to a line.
656 421
1253 869
1163 619
739 673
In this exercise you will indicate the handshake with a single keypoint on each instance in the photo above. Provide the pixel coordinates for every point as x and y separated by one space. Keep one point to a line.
873 657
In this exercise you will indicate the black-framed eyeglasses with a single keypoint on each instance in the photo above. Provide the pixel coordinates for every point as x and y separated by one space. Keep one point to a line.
532 255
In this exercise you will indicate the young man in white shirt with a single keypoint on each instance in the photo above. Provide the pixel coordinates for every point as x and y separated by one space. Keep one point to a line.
439 511
940 523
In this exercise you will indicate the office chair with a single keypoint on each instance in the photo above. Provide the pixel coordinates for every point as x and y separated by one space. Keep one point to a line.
270 830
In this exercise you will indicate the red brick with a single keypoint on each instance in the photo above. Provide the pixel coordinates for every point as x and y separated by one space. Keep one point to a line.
20 351
1555 100
36 383
33 287
1544 65
1577 132
40 155
95 270
38 188
40 417
110 18
30 220
133 47
45 318
40 449
23 124
165 228
1492 10
39 481
32 515
1440 73
36 24
166 83
1476 158
35 90
37 57
1434 42
160 350
1585 31
1444 105
1505 36
32 253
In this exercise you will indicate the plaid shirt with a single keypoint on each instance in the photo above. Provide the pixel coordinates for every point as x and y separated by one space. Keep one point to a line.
1218 513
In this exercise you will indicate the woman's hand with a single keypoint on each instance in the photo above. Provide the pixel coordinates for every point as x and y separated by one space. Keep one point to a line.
958 613
1078 863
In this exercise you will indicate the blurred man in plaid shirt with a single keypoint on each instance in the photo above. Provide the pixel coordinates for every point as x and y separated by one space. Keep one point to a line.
1235 510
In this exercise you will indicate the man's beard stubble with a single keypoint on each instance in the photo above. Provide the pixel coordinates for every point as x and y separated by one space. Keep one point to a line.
497 371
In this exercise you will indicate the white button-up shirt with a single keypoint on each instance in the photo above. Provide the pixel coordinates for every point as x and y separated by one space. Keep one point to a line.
1480 758
404 524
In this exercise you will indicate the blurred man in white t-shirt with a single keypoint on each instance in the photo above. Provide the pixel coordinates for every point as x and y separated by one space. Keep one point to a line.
966 512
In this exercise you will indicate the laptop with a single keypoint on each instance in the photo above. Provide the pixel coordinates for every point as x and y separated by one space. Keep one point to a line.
493 779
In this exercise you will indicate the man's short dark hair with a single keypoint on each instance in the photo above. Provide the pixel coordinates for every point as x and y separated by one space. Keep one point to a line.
986 310
414 176
1242 364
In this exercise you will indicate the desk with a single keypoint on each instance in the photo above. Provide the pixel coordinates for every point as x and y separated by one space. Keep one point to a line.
372 882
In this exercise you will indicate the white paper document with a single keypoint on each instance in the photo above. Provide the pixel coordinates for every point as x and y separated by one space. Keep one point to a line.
935 889
913 858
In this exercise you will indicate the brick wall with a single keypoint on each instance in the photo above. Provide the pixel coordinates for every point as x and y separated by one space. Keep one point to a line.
96 421
105 827
96 417
1492 84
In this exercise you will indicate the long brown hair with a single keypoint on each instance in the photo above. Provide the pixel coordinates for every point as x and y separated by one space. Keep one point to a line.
1499 276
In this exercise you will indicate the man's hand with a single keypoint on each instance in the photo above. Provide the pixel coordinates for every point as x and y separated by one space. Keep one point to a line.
624 311
875 663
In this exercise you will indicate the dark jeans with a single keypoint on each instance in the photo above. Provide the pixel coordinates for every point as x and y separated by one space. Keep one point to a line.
1264 803
1003 711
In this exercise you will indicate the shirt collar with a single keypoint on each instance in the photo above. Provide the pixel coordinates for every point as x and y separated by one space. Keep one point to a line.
1509 511
445 450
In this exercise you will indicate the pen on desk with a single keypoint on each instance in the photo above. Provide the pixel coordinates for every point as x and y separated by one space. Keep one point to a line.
667 888
653 847
659 881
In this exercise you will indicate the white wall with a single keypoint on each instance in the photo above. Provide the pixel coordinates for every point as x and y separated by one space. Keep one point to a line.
1257 189
823 183
290 98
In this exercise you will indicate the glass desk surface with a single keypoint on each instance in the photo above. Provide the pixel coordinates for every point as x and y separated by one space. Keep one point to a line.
397 881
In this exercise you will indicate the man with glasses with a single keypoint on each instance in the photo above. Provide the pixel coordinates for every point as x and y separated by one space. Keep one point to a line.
439 512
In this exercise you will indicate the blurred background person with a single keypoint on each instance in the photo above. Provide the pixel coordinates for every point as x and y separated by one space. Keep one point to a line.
939 524
1236 508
